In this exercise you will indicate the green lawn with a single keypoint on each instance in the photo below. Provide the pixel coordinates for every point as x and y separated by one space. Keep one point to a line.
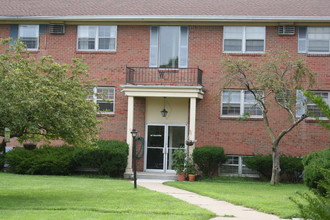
62 197
258 195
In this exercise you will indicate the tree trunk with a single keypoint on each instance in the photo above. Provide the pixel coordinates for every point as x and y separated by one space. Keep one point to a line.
276 165
3 146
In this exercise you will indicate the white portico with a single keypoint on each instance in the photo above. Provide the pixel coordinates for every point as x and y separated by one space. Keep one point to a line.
179 124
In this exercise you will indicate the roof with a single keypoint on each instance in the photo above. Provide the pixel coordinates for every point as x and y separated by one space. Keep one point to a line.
161 9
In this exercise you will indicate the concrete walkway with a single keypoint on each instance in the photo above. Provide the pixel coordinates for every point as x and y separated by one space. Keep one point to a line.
224 210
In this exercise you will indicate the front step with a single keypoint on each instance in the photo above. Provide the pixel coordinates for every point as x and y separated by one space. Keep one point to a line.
156 176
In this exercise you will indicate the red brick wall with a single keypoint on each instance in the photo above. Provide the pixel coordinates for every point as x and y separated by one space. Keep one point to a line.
205 52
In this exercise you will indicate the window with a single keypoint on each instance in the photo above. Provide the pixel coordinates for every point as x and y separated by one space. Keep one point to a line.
169 46
99 38
243 39
29 35
305 105
314 40
236 103
234 166
104 97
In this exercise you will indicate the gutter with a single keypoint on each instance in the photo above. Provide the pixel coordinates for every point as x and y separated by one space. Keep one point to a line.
168 18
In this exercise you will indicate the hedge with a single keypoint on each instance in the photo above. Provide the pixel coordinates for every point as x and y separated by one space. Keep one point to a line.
208 159
109 158
315 165
291 167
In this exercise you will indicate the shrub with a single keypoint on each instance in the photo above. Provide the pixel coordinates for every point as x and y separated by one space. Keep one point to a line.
313 165
179 157
291 167
208 158
109 157
315 206
44 160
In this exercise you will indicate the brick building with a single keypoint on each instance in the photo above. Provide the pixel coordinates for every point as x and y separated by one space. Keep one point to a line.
165 55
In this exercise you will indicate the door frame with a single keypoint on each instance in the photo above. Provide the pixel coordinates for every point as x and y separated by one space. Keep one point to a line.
166 125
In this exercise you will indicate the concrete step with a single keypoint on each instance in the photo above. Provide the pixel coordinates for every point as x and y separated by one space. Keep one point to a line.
156 176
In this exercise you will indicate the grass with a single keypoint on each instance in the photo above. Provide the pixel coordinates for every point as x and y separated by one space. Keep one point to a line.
249 193
63 197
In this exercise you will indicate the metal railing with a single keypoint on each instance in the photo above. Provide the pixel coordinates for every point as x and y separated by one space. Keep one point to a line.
164 76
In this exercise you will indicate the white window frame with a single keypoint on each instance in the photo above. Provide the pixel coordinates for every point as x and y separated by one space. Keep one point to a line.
303 41
241 103
97 37
244 39
21 33
95 99
302 103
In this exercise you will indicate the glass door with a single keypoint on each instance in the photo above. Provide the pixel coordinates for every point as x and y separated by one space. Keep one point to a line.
155 147
162 142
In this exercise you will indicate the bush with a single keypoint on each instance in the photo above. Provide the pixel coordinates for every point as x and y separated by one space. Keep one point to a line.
44 160
315 206
291 167
314 163
109 157
208 158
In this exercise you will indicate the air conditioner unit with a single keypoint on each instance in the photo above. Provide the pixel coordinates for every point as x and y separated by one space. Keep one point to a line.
286 30
56 28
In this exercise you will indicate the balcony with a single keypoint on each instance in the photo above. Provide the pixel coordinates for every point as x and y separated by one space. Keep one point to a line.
164 76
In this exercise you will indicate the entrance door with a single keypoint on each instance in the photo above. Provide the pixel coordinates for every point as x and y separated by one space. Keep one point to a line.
162 141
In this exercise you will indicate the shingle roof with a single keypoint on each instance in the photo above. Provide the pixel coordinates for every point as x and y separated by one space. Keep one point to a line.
272 8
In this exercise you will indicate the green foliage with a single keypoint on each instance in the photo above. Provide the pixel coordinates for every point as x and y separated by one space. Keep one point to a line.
44 100
109 157
314 163
44 160
291 167
179 157
322 105
190 167
315 206
208 158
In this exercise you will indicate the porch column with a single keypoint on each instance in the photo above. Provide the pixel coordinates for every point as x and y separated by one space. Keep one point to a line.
129 139
192 123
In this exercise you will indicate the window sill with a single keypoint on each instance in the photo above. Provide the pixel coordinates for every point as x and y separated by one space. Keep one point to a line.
101 115
313 120
317 55
238 119
95 52
244 54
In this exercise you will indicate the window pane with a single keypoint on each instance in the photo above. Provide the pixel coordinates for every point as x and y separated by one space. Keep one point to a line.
233 32
169 46
318 46
104 43
248 97
318 33
87 31
105 106
233 45
231 96
252 109
30 42
104 31
255 33
254 45
29 30
86 43
230 109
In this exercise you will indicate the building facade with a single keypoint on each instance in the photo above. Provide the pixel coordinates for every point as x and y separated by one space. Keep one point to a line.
163 72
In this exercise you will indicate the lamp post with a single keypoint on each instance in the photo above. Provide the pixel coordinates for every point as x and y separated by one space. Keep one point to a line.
134 134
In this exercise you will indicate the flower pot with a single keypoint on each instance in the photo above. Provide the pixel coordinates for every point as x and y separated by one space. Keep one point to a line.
181 176
192 177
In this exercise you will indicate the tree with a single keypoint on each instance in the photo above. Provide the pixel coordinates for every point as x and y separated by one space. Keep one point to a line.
322 105
273 78
44 100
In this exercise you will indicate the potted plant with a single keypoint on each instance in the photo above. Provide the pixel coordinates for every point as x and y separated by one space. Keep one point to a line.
179 157
191 170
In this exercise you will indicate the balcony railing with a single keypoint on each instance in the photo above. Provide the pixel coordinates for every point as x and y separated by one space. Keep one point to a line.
164 76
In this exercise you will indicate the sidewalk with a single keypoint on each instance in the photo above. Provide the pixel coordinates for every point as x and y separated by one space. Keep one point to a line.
224 210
